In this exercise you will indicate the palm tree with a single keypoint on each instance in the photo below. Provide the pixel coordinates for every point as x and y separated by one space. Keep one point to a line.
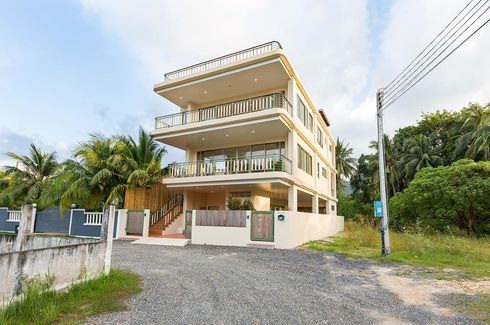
474 127
141 162
344 162
421 153
26 182
92 178
392 164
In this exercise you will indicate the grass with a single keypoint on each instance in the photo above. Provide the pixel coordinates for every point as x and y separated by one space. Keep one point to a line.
479 307
41 305
469 256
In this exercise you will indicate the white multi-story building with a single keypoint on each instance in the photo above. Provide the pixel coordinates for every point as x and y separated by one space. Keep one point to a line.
249 130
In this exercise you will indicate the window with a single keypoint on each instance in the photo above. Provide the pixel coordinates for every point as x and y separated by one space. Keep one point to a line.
304 115
318 170
319 136
324 172
304 160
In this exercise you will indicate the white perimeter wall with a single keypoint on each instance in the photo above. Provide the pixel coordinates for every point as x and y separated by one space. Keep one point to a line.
301 227
296 229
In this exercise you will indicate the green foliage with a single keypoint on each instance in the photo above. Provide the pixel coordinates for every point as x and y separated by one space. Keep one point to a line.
446 198
247 205
42 305
237 204
350 207
26 182
99 172
344 162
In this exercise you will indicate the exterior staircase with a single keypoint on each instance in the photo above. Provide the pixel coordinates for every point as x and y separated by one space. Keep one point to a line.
161 219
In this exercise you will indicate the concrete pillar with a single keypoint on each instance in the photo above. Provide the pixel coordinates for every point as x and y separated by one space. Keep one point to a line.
106 232
122 220
292 151
26 226
293 198
314 204
146 223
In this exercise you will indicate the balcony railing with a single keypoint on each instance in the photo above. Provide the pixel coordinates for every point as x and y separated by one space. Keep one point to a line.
223 60
255 164
249 105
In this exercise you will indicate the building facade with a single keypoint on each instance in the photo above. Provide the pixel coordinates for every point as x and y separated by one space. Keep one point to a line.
250 131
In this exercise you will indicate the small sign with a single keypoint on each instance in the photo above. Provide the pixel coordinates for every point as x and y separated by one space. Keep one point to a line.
378 209
281 217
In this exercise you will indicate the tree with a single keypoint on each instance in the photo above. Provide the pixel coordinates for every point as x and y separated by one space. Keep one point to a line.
421 153
141 162
392 162
26 182
345 163
446 196
362 181
92 176
474 130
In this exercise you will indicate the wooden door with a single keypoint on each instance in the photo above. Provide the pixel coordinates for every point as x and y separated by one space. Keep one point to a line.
134 224
262 228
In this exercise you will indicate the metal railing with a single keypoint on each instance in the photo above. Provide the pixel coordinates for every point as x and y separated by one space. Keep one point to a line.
168 209
255 164
254 104
93 218
223 60
14 215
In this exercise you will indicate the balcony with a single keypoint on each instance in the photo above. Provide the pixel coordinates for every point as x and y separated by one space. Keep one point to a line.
255 104
243 165
223 60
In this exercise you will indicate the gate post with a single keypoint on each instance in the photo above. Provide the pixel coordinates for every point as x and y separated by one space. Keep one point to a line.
146 222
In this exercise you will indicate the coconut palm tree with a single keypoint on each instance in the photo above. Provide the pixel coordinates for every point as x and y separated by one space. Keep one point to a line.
421 153
92 177
344 162
140 161
474 127
25 182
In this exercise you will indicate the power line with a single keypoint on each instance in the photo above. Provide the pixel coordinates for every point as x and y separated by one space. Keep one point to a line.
388 93
433 40
437 64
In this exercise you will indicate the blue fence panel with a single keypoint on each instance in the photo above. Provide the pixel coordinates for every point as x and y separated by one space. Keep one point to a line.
79 228
4 224
49 220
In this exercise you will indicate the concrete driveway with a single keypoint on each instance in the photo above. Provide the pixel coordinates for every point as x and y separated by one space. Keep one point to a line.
223 285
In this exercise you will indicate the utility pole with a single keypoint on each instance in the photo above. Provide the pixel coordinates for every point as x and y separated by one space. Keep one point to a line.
385 235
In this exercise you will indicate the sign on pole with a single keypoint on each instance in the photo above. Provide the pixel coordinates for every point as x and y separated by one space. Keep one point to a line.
378 209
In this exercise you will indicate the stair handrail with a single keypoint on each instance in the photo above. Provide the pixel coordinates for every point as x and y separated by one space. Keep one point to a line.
171 214
156 215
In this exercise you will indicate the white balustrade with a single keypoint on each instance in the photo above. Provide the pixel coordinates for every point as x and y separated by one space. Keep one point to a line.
14 216
93 218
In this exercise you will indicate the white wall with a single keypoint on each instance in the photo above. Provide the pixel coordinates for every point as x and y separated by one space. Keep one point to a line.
296 229
300 227
223 236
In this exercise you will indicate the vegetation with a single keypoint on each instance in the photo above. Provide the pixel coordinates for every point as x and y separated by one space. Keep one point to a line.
469 256
439 142
42 305
446 199
234 203
99 172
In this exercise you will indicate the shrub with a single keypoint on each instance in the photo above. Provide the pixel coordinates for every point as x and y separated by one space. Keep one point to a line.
247 205
445 198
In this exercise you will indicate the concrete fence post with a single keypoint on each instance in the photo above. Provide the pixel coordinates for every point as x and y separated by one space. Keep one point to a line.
106 231
26 226
146 223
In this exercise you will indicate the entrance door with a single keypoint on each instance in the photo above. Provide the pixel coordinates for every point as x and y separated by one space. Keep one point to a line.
188 224
262 226
134 224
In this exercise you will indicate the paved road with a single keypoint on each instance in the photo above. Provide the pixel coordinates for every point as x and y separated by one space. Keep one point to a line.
223 285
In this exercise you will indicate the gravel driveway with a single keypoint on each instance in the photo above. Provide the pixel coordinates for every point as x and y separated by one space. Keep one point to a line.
224 285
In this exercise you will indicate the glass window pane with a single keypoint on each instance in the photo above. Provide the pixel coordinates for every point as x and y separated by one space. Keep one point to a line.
272 149
258 150
244 151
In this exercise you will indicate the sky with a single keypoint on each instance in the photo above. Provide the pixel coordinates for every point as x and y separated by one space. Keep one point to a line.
72 68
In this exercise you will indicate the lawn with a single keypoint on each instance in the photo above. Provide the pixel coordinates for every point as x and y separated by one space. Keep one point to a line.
40 305
469 256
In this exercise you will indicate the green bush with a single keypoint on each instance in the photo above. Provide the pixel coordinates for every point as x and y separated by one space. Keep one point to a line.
350 207
445 199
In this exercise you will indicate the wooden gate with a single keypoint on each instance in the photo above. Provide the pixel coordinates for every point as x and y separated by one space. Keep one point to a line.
262 226
188 224
134 223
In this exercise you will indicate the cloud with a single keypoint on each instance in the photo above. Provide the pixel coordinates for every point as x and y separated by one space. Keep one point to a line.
12 142
343 50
